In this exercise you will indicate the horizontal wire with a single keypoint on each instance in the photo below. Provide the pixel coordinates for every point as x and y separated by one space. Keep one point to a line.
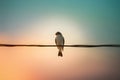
34 45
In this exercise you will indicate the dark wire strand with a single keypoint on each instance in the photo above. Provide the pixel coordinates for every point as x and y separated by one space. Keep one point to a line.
35 45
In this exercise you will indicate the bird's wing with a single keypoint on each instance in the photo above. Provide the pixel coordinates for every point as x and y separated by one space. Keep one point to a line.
55 41
63 41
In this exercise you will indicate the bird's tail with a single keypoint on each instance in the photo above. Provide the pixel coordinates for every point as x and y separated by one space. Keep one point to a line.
60 53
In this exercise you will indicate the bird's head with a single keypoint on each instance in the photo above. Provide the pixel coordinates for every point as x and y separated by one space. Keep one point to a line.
58 33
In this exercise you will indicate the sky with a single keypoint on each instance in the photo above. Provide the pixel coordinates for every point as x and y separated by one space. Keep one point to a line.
80 21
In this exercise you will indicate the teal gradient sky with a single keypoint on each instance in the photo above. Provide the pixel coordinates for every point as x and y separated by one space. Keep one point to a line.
100 18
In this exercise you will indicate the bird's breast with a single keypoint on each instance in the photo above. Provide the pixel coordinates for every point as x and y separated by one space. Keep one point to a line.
59 40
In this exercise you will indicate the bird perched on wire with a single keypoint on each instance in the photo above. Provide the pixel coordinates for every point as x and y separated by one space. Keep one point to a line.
59 40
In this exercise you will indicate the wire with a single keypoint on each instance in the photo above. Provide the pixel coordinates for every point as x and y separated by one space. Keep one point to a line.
34 45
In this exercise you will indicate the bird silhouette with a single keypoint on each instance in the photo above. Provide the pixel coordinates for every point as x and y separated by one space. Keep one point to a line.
59 40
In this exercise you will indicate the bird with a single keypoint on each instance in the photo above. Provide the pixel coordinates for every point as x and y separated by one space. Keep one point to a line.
59 40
